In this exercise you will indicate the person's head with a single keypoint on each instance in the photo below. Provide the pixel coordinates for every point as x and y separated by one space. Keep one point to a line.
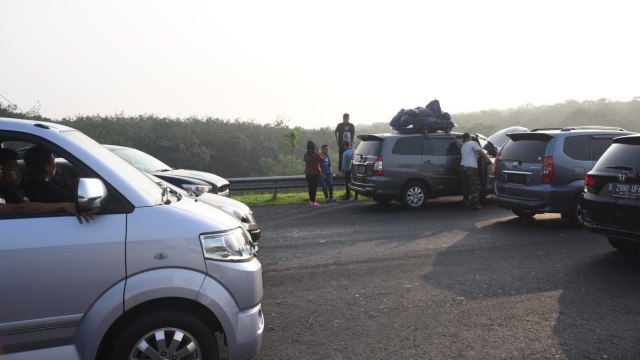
311 146
10 173
345 118
41 164
466 137
324 148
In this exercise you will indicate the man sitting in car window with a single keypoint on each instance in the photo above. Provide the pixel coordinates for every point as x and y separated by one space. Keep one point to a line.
39 208
41 167
10 182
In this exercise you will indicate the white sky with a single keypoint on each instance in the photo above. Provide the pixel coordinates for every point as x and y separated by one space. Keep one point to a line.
309 62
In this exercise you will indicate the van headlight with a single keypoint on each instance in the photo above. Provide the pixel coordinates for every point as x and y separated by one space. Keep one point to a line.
232 245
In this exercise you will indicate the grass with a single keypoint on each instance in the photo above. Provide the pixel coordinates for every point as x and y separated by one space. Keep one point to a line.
258 199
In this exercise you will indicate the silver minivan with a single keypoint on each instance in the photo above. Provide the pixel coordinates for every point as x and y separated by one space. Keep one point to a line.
154 275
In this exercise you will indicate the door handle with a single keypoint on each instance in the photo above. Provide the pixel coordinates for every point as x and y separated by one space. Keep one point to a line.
428 162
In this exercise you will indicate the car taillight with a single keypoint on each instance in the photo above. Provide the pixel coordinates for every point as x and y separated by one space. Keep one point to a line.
547 170
590 183
377 167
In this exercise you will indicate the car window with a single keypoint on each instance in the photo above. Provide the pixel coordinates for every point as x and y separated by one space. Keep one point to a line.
411 145
526 151
619 155
369 148
442 147
598 146
577 147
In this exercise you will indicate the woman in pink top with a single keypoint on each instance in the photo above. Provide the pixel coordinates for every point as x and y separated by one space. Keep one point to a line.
312 159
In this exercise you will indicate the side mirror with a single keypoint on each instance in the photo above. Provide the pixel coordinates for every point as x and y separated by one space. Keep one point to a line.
90 195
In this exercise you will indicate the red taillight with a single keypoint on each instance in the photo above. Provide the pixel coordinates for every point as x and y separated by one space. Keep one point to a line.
377 167
590 183
547 170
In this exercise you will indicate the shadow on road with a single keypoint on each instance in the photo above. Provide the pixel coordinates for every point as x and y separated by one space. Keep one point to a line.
599 296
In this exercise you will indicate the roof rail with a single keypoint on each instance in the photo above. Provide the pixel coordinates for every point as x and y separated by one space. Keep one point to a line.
585 127
593 127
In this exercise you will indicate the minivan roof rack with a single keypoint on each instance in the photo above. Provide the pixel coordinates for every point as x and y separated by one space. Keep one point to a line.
593 127
585 127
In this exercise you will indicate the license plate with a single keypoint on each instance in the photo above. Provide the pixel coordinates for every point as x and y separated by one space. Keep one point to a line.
359 169
516 178
623 190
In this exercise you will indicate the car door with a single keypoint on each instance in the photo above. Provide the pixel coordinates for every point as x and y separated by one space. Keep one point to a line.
441 164
53 268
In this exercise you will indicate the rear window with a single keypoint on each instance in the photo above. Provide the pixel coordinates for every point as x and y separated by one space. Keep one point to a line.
526 151
411 145
619 155
369 148
577 147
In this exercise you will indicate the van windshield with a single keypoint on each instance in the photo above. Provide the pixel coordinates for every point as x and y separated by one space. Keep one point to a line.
369 148
150 189
526 151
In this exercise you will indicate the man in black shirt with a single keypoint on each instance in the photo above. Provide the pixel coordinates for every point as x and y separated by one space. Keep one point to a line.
41 167
345 131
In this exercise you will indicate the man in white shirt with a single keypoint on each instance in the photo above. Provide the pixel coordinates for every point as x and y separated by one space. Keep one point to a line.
469 169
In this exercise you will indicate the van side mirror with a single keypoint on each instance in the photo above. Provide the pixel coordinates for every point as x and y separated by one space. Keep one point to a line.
90 195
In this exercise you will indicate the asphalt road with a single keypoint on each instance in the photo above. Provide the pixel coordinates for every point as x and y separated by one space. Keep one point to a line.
363 281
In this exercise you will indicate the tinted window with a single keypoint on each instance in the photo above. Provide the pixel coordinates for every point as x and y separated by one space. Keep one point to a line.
369 148
411 145
599 146
577 147
620 155
527 151
442 147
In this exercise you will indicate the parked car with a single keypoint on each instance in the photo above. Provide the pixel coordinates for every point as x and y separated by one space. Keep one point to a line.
543 171
499 138
411 168
231 206
190 180
154 275
611 204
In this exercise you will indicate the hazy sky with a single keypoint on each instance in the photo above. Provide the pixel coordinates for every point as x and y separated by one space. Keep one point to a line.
309 62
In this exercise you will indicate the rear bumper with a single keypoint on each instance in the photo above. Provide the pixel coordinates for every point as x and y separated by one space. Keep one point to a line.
612 231
519 204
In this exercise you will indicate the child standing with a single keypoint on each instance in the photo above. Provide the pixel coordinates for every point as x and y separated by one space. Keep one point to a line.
326 174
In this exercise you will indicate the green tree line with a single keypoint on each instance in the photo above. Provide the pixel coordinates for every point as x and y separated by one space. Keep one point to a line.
235 148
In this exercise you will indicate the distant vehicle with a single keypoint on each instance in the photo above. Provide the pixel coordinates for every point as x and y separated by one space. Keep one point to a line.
231 206
611 204
190 180
413 167
543 171
499 138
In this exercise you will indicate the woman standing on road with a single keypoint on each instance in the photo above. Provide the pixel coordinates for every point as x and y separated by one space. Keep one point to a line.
312 160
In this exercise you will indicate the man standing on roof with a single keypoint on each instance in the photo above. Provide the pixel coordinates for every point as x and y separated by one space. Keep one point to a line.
345 131
469 168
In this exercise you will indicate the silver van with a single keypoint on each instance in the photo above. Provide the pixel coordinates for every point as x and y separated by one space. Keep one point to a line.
413 167
154 275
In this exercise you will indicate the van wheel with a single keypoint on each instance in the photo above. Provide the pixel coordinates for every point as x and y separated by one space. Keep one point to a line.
382 200
574 216
624 245
166 334
414 196
523 214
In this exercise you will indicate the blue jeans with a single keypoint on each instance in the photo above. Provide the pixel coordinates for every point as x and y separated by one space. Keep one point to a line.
327 185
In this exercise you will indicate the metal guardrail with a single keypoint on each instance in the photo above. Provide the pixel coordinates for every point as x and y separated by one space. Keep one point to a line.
275 183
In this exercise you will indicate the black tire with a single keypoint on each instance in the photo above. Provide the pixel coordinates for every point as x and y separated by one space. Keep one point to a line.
574 216
624 245
523 214
172 324
414 196
382 200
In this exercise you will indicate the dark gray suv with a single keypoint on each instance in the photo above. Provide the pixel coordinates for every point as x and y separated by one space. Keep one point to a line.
412 168
543 171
